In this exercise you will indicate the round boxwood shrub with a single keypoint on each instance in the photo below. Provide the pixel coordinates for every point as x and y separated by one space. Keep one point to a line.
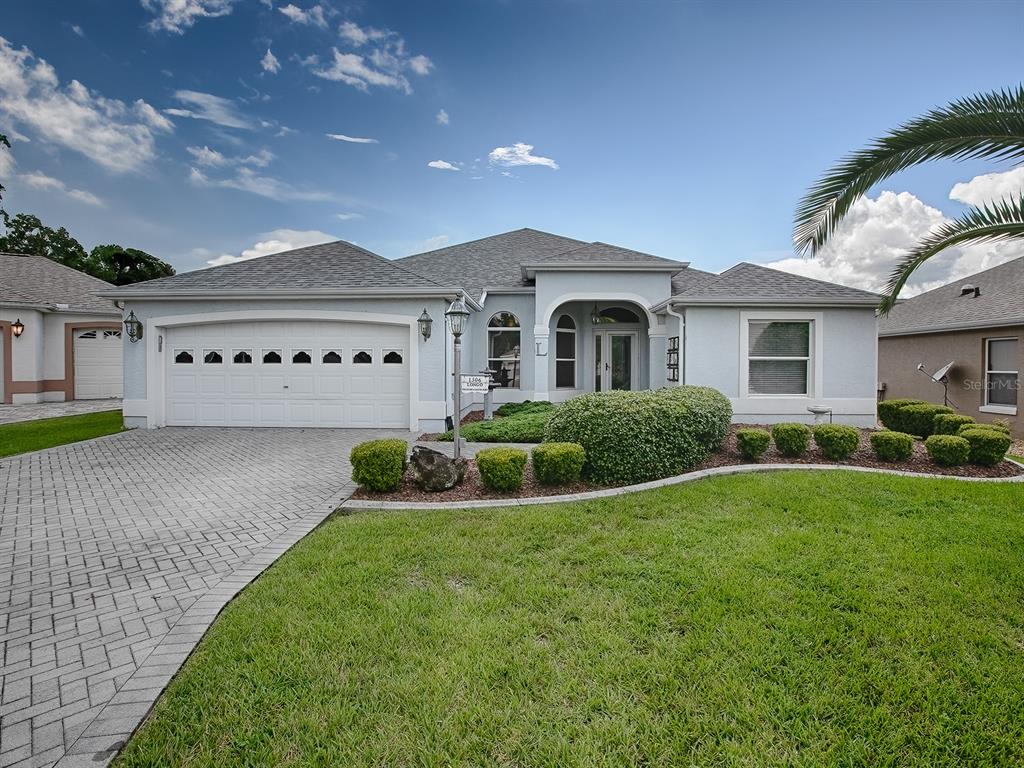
948 450
888 409
995 426
378 465
558 463
752 442
501 469
836 441
791 438
919 419
631 437
949 423
892 446
988 446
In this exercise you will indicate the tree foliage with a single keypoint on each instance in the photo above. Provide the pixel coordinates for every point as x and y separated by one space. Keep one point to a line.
124 266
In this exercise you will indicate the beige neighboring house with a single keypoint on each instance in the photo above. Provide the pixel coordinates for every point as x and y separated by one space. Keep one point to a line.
977 324
58 339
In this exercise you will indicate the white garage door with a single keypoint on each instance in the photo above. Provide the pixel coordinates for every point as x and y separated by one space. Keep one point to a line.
98 371
288 374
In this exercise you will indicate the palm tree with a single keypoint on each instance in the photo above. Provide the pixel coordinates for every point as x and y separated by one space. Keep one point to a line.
989 125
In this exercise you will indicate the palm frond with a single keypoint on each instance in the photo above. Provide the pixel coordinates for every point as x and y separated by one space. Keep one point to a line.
990 223
989 125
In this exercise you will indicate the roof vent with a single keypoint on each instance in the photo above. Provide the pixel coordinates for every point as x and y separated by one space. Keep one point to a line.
970 290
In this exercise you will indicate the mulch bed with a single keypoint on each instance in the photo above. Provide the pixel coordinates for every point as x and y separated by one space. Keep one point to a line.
472 488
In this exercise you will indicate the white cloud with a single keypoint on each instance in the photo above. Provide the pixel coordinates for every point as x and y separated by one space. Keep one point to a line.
314 15
421 65
247 180
442 118
206 106
275 242
178 15
382 61
878 232
350 139
989 187
348 216
360 35
519 154
433 243
111 133
7 163
40 181
211 158
442 165
270 63
78 30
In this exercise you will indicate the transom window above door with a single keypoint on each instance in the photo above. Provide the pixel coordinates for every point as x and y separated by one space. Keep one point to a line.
503 349
610 315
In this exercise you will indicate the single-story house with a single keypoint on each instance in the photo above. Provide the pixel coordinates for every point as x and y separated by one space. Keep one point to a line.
977 324
59 340
329 335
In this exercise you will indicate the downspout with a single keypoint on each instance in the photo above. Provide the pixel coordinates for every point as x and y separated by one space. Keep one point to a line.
682 341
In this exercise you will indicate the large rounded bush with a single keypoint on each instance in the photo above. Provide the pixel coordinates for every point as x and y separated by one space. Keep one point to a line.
892 446
948 450
836 441
919 419
988 446
950 423
888 411
632 437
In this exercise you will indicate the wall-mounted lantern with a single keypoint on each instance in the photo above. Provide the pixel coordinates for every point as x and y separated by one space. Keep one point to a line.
425 322
17 328
595 315
133 326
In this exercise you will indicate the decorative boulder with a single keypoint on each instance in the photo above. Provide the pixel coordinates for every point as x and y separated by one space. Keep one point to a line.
433 471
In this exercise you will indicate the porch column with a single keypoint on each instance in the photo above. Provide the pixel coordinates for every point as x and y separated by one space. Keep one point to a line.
657 358
540 362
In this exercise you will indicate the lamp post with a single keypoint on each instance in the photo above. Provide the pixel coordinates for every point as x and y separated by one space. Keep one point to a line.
457 314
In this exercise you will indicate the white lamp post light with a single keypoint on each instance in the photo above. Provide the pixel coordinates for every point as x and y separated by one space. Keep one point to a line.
457 314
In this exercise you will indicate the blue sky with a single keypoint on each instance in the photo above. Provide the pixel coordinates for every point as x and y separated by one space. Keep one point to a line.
688 130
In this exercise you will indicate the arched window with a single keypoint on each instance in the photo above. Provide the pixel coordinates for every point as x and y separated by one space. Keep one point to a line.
271 356
331 356
617 315
242 357
301 357
213 357
503 349
182 356
565 352
362 357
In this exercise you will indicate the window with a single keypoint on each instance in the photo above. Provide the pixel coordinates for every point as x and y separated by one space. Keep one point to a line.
183 357
331 356
362 357
779 356
242 356
111 334
617 315
88 335
503 340
213 357
272 356
565 352
672 358
301 357
392 357
1001 383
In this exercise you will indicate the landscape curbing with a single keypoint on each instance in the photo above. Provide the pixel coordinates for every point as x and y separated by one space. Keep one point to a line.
700 474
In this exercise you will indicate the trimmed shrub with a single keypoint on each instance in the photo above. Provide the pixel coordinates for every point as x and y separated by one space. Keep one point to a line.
522 427
558 463
887 410
501 469
836 441
988 446
949 423
791 438
948 450
631 437
993 426
892 446
378 465
919 419
529 406
752 442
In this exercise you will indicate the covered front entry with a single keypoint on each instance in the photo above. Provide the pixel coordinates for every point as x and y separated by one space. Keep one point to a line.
289 373
615 360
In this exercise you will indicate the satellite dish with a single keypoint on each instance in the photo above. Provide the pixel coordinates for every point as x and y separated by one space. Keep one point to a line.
940 377
940 374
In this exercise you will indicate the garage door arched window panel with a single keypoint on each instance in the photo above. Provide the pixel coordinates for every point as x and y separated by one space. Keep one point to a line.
111 334
183 357
213 356
392 357
271 356
503 349
330 356
87 335
362 357
242 356
302 357
779 357
565 353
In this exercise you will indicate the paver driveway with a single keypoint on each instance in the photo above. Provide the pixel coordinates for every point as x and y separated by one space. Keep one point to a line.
115 556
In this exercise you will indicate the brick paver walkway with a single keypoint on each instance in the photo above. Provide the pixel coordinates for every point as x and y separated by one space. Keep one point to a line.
115 556
32 411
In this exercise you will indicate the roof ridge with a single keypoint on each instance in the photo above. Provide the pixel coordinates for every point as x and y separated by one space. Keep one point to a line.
56 263
490 237
801 277
966 278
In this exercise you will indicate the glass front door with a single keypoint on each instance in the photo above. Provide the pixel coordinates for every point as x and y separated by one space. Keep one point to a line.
614 361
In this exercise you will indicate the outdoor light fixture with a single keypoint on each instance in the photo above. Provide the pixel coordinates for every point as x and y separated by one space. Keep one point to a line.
425 322
133 326
457 314
17 328
595 315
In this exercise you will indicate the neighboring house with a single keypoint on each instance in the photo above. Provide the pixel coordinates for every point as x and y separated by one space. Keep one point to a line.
69 345
977 324
328 335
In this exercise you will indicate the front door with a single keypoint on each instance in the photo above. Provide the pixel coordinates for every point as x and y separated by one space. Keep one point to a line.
615 360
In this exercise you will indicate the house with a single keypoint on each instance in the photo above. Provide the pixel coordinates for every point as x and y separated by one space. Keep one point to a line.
59 340
977 324
329 335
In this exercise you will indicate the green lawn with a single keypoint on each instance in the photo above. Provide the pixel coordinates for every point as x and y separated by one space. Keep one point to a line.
35 435
799 619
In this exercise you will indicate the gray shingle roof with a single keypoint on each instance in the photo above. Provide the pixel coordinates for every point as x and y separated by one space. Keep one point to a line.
35 280
748 283
691 277
331 266
1001 302
603 253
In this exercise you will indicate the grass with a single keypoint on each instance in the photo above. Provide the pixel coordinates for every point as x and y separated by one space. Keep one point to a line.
796 618
522 424
35 435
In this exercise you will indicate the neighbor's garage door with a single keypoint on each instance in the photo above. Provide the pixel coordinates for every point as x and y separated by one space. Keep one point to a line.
288 374
98 372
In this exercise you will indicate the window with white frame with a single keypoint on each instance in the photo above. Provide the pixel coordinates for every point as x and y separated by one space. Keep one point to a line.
1001 371
503 349
565 352
779 357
